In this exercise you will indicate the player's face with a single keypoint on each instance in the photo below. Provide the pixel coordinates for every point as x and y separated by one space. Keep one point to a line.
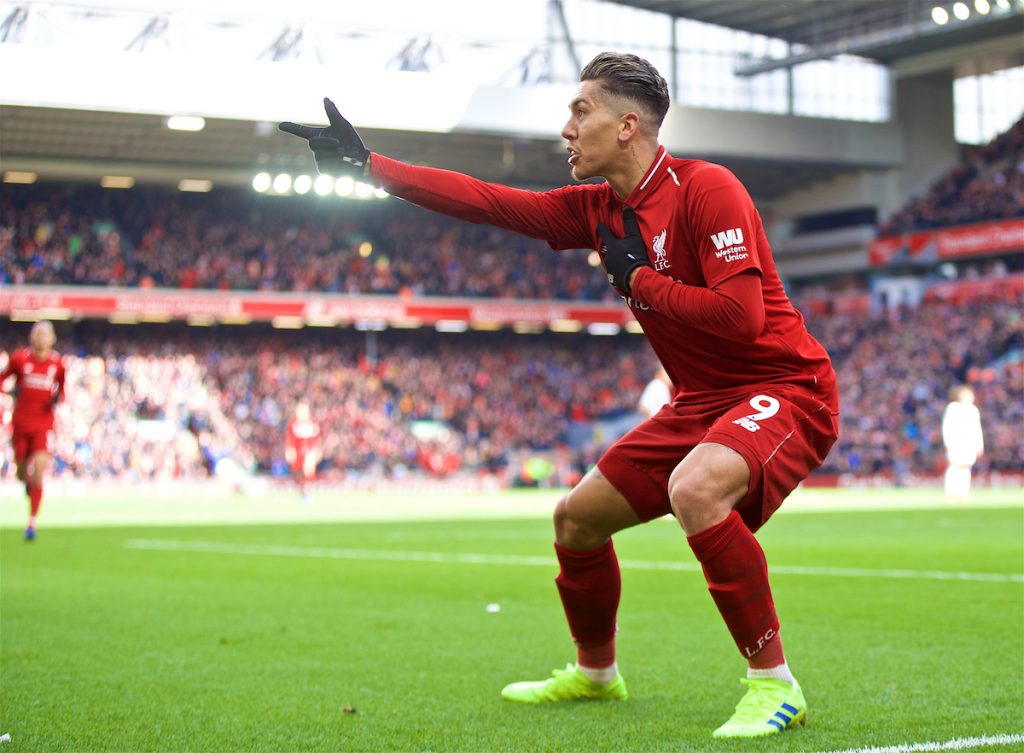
41 338
591 132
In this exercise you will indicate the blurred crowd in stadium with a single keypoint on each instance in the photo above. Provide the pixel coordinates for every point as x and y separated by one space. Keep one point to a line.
150 237
987 184
164 401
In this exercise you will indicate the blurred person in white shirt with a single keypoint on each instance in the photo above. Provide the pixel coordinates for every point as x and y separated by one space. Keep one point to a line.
962 435
657 392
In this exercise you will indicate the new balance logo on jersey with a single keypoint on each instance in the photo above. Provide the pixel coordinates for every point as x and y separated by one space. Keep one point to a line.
729 244
658 244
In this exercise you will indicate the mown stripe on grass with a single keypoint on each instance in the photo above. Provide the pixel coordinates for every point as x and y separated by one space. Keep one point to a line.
960 743
273 550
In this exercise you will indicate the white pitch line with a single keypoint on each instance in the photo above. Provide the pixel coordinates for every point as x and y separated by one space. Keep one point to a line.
960 743
502 559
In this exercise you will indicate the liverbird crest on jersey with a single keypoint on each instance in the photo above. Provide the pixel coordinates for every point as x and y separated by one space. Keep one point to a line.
658 243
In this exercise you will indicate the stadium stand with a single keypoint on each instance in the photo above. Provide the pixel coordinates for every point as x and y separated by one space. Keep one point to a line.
987 184
152 237
438 404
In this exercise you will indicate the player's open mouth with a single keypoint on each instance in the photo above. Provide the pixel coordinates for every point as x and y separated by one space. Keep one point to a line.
573 156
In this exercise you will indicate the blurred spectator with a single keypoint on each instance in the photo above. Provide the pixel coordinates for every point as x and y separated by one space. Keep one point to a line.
657 392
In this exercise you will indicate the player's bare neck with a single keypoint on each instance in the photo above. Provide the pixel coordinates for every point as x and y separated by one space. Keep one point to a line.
636 161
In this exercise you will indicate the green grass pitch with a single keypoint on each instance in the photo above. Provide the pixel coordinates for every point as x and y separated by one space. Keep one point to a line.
904 622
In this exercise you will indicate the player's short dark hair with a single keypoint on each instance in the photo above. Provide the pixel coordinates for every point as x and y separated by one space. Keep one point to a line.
630 77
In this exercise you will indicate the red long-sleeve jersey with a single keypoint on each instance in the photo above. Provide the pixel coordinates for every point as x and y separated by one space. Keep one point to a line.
713 331
38 382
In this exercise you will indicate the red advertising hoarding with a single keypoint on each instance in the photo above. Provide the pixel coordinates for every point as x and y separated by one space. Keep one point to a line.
925 246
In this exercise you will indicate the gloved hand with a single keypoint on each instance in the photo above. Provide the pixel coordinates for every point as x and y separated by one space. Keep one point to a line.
623 255
337 149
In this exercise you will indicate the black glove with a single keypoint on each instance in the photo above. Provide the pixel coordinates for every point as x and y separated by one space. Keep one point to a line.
623 255
337 149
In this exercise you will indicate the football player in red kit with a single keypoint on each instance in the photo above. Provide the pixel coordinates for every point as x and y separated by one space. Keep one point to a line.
39 384
755 406
302 448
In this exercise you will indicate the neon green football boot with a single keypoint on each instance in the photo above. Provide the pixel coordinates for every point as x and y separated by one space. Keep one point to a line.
568 684
768 707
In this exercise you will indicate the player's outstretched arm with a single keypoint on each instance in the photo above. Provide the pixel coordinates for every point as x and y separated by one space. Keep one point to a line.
337 149
553 216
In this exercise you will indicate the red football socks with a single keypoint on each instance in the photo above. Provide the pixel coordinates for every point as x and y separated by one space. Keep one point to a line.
737 575
590 585
35 498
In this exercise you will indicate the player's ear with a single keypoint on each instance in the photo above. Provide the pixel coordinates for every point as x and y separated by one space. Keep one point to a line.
629 126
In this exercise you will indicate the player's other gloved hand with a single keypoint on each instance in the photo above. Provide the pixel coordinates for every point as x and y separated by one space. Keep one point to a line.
623 255
337 149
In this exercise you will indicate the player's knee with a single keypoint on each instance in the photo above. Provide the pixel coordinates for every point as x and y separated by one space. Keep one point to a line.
687 491
698 498
39 464
573 531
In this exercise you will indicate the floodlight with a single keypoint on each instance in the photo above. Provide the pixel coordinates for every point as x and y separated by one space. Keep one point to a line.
282 183
186 123
117 181
344 186
195 185
19 176
323 185
961 11
261 182
940 16
302 184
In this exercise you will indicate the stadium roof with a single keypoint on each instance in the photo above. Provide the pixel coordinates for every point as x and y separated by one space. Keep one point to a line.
69 138
884 30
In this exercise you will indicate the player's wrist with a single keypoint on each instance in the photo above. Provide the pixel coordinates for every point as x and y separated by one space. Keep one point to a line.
631 278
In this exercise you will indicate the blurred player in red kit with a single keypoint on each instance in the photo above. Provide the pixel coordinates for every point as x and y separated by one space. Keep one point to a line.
302 448
39 385
754 408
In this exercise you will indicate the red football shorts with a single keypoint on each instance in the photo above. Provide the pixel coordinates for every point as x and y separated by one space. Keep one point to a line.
782 432
27 443
304 463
